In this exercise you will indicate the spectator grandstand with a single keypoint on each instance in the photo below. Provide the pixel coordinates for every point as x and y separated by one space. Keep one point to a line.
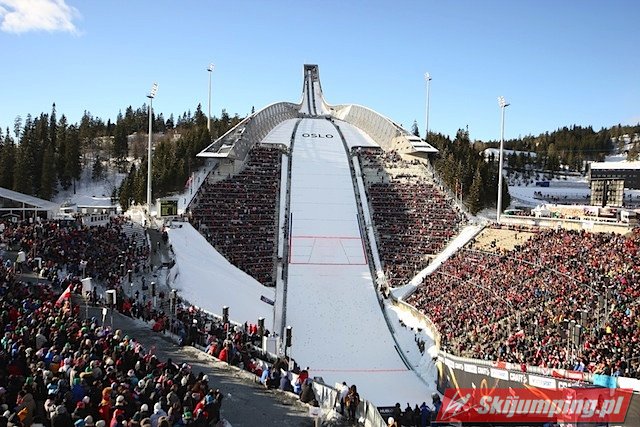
414 219
105 253
517 305
238 214
66 370
58 370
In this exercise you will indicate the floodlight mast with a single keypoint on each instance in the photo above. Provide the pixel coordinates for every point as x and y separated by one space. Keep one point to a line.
427 78
503 105
151 95
210 70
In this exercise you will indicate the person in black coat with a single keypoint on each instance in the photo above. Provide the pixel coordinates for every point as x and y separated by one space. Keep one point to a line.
307 395
61 418
397 414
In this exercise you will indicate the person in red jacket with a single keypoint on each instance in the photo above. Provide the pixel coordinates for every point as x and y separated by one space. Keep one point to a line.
104 409
224 353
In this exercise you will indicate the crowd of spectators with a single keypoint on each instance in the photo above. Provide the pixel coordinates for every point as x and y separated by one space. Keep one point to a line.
60 371
414 219
70 247
516 305
47 347
238 214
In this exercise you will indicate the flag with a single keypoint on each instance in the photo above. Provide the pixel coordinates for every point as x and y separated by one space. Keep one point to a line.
64 296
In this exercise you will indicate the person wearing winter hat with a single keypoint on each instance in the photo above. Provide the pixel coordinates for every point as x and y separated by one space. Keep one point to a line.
157 413
79 423
144 411
88 421
101 423
120 402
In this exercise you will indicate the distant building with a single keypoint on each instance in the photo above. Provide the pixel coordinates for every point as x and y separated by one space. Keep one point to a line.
21 206
609 179
92 211
627 171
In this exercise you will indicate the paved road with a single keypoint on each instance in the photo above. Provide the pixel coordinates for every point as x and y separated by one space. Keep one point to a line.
246 402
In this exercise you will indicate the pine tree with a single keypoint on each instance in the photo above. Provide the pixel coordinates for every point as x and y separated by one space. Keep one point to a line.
7 161
110 128
120 148
48 182
39 143
225 121
97 172
474 198
24 170
61 156
21 177
139 184
506 197
125 193
17 127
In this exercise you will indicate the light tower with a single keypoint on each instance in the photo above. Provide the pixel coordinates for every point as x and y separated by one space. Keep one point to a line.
427 78
503 105
210 70
151 95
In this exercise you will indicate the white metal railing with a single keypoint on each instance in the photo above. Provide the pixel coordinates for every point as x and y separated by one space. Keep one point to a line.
378 127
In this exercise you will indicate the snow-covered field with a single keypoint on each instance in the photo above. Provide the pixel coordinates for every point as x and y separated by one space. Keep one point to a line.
209 281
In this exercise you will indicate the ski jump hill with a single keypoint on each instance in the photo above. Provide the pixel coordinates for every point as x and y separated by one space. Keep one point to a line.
327 269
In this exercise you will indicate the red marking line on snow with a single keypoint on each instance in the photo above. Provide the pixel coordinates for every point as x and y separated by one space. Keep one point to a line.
327 237
357 370
340 239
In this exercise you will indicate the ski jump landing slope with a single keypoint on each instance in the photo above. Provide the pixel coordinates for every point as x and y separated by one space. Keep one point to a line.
338 327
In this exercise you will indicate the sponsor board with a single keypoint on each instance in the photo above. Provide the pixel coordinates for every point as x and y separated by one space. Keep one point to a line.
532 405
500 374
542 382
472 369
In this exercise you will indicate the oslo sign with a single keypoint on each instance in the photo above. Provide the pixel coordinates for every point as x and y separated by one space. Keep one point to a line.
317 135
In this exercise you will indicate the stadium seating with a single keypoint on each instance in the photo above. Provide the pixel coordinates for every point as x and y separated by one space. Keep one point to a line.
516 305
238 214
413 218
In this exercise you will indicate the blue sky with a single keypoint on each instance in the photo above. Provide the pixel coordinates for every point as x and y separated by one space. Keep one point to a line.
557 62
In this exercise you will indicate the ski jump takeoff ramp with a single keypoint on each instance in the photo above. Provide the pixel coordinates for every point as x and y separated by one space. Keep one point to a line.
339 330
